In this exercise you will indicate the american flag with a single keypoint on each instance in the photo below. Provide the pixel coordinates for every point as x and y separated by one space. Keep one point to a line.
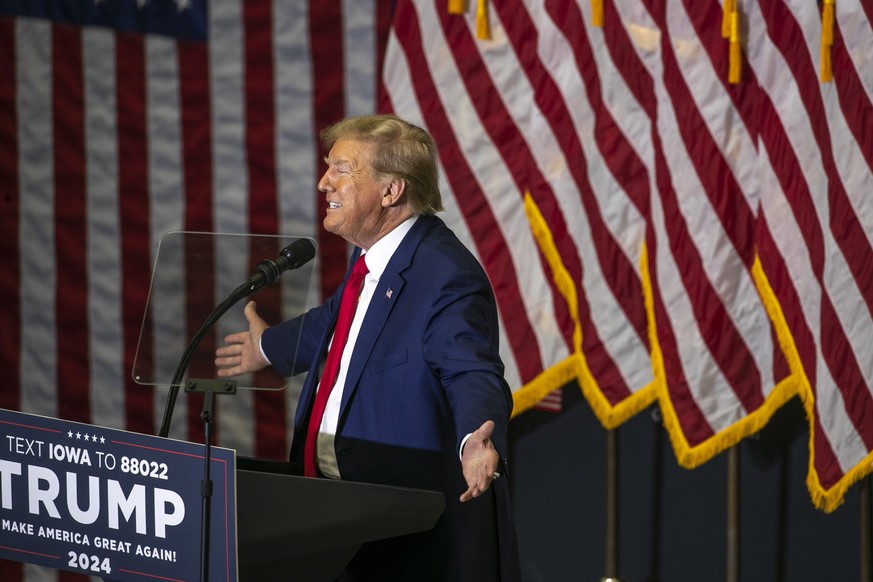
121 121
653 232
656 230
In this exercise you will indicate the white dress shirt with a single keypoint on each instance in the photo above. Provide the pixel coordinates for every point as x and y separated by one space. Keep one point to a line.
377 258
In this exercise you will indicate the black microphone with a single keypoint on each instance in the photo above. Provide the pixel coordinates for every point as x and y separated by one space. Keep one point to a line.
295 255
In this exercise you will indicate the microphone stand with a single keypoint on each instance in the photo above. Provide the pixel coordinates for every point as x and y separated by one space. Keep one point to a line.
240 292
209 388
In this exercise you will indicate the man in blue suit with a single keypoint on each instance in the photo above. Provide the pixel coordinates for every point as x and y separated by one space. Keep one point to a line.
419 398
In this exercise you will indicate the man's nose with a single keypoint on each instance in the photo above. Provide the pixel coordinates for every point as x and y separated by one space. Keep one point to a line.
324 183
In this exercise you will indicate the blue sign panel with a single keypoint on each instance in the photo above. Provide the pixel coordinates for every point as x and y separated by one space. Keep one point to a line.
181 19
112 504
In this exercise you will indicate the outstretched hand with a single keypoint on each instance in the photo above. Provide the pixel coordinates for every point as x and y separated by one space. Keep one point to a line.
242 354
479 461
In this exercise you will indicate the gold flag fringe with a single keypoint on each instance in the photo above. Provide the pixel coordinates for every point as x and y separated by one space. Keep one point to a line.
825 499
575 367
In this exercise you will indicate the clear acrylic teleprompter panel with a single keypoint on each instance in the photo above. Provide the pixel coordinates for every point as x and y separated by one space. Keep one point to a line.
193 273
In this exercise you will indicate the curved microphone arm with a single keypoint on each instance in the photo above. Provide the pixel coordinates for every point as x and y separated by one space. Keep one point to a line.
176 382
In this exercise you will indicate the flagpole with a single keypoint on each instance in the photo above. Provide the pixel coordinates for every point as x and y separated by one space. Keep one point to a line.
611 506
866 496
733 515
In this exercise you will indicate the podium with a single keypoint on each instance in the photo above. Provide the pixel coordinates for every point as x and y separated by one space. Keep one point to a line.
306 530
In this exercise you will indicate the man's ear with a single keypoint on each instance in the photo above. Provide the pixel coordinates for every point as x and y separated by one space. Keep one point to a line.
393 193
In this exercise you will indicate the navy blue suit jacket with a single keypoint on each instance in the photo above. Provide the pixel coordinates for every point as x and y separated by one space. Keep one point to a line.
425 371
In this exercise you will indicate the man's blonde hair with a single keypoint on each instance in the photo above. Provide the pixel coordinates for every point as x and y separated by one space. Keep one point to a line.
402 150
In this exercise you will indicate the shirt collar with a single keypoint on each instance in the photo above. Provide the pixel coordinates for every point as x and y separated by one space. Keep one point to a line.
382 250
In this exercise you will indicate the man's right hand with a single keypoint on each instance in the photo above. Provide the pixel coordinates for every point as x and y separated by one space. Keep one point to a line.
242 354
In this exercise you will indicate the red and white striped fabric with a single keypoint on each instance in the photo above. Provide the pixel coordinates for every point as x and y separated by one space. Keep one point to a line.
118 138
112 137
515 150
652 230
815 232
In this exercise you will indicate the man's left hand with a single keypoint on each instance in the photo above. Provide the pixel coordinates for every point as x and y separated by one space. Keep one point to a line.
479 461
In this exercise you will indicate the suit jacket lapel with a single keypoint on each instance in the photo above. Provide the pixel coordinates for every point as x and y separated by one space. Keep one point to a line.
386 294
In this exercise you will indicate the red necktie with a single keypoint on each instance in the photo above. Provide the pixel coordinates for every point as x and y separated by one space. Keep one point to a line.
348 303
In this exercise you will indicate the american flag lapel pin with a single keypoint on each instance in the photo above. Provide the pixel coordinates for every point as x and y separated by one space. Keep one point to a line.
389 293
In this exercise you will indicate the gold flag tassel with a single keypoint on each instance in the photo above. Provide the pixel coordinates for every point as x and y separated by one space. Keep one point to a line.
483 31
457 6
735 55
728 8
597 13
827 41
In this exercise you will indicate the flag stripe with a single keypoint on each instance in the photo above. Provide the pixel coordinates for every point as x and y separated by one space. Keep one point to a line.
200 284
269 406
38 282
359 48
326 46
384 16
69 215
685 275
854 99
298 157
165 211
680 284
484 216
133 206
681 397
102 232
10 314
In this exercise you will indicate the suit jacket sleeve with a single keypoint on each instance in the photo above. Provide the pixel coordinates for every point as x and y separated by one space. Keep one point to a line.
291 345
294 346
461 348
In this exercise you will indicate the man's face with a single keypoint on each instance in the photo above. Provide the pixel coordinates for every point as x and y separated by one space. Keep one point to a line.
354 194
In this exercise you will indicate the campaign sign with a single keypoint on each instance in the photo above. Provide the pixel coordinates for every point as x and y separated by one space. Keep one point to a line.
112 504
